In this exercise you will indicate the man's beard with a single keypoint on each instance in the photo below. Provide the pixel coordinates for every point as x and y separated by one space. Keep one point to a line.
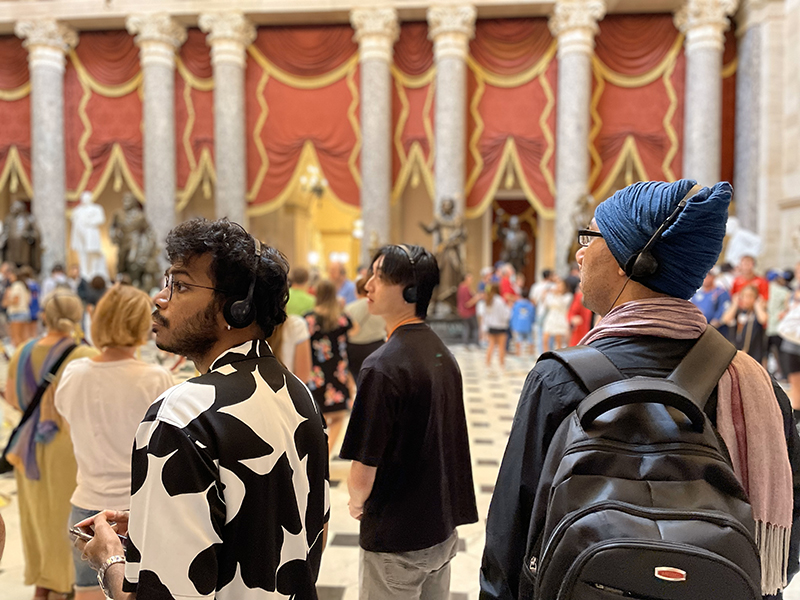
197 335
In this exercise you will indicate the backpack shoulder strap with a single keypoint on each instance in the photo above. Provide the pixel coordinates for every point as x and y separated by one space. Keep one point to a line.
592 368
699 371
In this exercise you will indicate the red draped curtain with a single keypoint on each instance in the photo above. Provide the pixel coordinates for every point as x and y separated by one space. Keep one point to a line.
511 114
637 101
15 115
301 90
728 106
413 75
103 113
194 116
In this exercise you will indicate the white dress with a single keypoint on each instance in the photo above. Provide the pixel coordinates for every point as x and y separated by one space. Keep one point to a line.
556 321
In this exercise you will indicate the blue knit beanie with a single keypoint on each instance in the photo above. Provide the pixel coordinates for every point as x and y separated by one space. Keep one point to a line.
687 250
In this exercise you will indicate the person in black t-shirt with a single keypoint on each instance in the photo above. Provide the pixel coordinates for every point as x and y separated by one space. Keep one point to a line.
410 480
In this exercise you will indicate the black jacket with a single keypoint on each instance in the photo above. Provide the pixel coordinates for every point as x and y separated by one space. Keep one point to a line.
550 394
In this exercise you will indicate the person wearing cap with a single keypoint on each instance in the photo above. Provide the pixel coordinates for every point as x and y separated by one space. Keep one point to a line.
648 325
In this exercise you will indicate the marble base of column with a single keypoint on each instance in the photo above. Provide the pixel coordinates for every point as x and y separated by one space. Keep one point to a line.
229 142
376 157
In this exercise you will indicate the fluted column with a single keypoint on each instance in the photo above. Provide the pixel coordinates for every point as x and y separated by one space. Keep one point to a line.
47 42
158 37
376 31
574 24
229 34
451 28
748 112
704 22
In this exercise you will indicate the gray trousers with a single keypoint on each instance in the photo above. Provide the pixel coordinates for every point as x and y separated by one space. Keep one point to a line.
418 575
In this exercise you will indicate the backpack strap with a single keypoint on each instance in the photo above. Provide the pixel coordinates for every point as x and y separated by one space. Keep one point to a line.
699 371
591 367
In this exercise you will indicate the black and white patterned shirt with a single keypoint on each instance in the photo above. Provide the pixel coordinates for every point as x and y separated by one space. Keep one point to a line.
229 486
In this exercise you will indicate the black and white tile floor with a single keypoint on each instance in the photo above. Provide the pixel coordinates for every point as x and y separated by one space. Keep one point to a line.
490 396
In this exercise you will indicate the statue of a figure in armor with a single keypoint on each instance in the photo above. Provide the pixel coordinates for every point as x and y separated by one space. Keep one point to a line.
449 235
137 247
19 240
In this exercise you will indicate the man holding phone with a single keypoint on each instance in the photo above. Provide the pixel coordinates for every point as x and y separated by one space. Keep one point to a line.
229 493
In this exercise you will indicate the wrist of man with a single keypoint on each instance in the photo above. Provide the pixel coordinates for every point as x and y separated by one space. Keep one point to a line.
112 582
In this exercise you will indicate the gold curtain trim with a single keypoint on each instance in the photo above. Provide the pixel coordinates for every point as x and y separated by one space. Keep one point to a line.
303 83
204 166
187 131
730 69
262 152
17 93
201 84
308 156
427 124
14 165
116 160
629 149
109 91
548 135
634 81
352 116
414 160
511 81
597 125
84 139
475 138
414 81
509 154
666 166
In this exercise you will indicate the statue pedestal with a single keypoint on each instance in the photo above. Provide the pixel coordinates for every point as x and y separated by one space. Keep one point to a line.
450 329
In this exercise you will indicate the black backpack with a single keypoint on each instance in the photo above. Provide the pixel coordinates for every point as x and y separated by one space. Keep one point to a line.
637 500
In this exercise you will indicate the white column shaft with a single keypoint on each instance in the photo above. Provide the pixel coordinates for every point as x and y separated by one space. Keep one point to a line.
229 141
748 109
450 130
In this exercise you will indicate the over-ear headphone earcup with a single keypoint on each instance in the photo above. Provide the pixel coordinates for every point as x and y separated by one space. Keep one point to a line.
410 294
238 312
641 265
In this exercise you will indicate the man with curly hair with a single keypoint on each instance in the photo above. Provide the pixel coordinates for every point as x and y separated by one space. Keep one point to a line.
230 472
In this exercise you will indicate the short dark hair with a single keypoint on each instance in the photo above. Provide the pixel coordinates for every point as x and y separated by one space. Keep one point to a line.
546 274
233 264
299 275
397 270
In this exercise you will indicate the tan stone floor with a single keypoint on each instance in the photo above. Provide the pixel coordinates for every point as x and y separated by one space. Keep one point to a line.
491 398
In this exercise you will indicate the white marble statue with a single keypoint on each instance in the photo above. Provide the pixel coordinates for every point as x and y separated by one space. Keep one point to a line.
87 218
741 242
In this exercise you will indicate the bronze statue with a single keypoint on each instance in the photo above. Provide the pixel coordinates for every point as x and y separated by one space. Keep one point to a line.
449 234
137 250
20 241
516 245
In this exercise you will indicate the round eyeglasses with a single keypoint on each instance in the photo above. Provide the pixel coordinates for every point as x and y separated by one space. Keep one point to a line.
585 236
170 283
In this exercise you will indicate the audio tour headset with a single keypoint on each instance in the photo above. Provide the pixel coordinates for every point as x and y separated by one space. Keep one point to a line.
410 291
240 311
643 264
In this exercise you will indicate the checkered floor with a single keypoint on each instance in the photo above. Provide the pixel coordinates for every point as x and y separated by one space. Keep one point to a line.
491 397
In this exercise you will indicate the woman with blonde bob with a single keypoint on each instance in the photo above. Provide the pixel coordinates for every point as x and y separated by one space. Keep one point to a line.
41 452
104 399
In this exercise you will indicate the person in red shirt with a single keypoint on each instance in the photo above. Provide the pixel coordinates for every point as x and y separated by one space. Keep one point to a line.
580 318
747 276
466 301
507 289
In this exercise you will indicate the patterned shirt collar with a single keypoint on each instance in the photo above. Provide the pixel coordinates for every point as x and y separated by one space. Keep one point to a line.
249 350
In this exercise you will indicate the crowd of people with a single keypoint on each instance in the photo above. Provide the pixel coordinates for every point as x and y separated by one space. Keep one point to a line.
218 486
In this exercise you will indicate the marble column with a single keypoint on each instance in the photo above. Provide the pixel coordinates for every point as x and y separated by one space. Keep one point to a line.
704 23
451 28
158 37
376 31
229 34
748 110
47 42
574 24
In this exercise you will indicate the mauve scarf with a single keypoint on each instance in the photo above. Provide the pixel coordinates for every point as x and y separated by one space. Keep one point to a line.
749 420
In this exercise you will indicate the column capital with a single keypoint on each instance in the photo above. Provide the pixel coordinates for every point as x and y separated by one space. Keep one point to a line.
158 37
47 41
376 32
751 13
574 23
451 28
704 22
229 34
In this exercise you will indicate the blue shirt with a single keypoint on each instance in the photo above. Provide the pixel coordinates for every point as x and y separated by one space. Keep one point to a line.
713 303
522 316
347 292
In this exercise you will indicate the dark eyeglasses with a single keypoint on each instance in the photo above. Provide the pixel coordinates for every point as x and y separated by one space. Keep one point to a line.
585 236
170 283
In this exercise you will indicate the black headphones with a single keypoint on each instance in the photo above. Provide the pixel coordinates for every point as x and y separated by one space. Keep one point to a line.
643 264
410 291
240 311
